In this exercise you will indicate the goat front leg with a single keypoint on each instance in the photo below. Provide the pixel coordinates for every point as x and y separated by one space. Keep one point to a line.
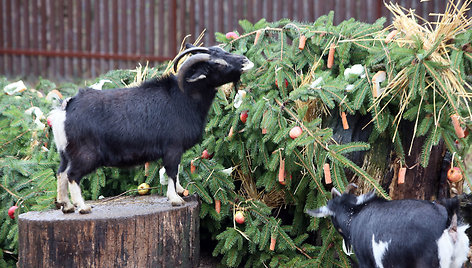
77 198
174 198
180 190
171 161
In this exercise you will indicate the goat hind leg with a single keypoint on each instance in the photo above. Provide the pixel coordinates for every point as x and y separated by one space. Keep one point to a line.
77 198
62 194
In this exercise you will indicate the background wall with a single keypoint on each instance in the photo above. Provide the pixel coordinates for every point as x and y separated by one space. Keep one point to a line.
66 39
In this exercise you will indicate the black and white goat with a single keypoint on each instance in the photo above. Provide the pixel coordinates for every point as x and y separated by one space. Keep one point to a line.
399 233
162 118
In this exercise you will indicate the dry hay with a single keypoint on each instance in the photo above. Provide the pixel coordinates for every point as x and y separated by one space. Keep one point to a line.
437 40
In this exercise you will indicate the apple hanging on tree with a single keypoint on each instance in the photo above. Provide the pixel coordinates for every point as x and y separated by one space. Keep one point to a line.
143 188
11 212
239 217
243 117
205 154
454 174
295 132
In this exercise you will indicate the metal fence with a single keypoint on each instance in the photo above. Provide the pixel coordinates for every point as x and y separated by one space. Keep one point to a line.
64 39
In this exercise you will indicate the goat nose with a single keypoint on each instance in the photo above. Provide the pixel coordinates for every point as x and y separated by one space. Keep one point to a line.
247 65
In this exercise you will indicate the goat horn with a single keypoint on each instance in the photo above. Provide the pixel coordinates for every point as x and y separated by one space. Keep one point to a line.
187 64
185 52
350 188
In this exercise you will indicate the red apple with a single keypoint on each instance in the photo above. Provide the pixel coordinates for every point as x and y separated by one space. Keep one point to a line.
295 132
454 174
277 85
232 35
239 217
243 117
49 122
205 154
11 212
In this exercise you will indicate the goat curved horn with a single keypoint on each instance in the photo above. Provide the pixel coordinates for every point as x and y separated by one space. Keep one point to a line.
185 52
350 188
187 64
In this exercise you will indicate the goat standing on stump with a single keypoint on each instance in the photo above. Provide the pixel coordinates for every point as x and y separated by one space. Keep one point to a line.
162 118
398 233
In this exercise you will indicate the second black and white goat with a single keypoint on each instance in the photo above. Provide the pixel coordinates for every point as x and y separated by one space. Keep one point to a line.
398 233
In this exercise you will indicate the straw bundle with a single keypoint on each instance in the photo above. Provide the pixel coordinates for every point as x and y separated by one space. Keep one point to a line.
432 44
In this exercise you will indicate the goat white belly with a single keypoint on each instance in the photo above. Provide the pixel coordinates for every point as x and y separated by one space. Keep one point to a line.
379 249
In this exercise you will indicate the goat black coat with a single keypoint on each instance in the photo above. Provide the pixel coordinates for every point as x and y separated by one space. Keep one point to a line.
160 118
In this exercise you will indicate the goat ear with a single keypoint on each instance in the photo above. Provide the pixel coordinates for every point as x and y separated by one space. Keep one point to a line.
195 78
362 199
335 193
320 212
199 74
221 62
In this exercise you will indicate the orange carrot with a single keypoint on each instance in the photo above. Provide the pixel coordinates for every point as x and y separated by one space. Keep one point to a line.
282 172
185 192
264 131
331 56
258 34
401 175
218 206
327 173
192 167
390 36
146 169
301 42
230 134
273 240
344 120
457 126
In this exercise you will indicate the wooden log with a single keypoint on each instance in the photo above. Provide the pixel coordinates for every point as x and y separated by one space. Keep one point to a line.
143 231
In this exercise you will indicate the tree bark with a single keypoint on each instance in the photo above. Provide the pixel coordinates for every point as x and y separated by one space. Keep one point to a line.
382 163
144 231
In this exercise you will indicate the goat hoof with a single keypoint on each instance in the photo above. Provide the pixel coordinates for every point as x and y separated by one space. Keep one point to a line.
177 203
68 208
85 210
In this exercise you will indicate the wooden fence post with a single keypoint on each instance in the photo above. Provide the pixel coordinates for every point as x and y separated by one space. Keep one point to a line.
144 231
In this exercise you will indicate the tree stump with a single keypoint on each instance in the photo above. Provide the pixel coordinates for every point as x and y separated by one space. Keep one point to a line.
144 231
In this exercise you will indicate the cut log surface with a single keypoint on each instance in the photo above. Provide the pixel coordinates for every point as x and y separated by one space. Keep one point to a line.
144 231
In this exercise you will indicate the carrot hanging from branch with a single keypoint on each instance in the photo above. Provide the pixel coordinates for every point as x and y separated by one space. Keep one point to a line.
258 34
301 42
217 206
401 175
331 55
282 172
457 126
344 120
327 173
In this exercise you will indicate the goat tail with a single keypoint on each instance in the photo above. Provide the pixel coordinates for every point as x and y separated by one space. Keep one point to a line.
453 245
